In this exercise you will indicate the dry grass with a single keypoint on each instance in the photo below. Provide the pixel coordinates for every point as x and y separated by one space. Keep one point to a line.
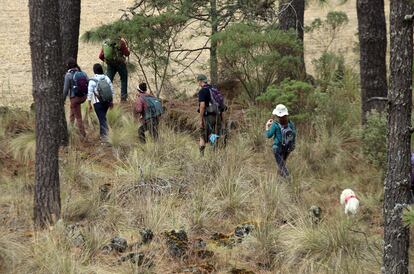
166 185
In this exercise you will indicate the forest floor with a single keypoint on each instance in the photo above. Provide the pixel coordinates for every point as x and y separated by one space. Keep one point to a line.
228 212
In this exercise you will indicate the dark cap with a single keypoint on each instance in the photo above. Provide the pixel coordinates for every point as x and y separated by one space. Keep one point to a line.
142 87
202 77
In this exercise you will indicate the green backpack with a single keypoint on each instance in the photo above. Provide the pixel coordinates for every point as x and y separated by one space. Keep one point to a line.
112 52
154 107
104 91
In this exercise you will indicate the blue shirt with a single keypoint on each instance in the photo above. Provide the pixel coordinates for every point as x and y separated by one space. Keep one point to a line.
276 132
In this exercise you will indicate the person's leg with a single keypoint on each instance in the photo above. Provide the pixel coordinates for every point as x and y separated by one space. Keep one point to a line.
153 128
123 74
110 72
204 133
100 110
212 125
78 114
283 171
72 110
141 132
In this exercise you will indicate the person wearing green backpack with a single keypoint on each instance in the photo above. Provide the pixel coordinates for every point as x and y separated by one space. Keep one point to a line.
149 109
113 53
100 95
283 132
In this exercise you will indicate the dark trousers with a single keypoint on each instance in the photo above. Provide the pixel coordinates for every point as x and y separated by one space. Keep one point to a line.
123 74
76 113
101 109
281 157
152 126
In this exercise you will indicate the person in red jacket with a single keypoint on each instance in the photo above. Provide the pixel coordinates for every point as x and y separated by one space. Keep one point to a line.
141 106
117 63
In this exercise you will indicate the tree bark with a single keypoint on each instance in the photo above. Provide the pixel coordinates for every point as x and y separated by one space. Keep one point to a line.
373 47
69 11
46 54
292 16
397 181
213 47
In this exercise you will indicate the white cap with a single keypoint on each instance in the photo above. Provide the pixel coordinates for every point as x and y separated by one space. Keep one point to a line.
280 111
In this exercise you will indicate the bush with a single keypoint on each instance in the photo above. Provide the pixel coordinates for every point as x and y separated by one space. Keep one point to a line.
330 69
258 56
374 137
299 97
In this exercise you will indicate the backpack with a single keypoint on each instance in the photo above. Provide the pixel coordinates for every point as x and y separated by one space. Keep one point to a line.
216 101
112 52
288 138
154 107
104 90
79 83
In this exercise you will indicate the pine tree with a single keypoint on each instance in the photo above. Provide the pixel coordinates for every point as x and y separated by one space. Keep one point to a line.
46 54
397 182
372 33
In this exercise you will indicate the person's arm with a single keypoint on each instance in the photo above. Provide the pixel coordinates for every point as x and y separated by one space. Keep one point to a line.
91 87
101 55
202 111
271 131
139 106
124 48
66 85
202 100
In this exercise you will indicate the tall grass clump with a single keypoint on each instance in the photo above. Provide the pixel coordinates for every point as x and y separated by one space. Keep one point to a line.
23 147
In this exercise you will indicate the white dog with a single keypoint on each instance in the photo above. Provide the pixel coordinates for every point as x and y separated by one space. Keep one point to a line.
349 199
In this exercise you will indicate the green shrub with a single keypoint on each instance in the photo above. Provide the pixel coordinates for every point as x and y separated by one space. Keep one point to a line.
258 56
299 97
330 69
374 137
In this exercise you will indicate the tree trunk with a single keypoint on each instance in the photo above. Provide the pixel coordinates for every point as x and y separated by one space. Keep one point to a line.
397 181
213 46
373 47
45 45
69 11
292 16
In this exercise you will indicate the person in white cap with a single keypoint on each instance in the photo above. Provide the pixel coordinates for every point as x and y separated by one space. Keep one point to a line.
283 132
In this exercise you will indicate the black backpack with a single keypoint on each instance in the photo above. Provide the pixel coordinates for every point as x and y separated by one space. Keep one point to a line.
288 138
79 83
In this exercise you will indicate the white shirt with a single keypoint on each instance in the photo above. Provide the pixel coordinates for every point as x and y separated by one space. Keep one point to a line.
92 87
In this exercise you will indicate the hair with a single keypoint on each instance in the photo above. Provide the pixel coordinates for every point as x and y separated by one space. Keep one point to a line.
284 120
71 63
97 69
143 87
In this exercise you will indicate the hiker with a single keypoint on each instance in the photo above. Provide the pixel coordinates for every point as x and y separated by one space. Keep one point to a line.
211 112
283 132
113 53
149 109
76 87
100 95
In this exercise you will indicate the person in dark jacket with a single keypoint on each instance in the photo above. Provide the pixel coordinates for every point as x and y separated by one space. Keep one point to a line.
150 124
209 122
75 100
118 65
